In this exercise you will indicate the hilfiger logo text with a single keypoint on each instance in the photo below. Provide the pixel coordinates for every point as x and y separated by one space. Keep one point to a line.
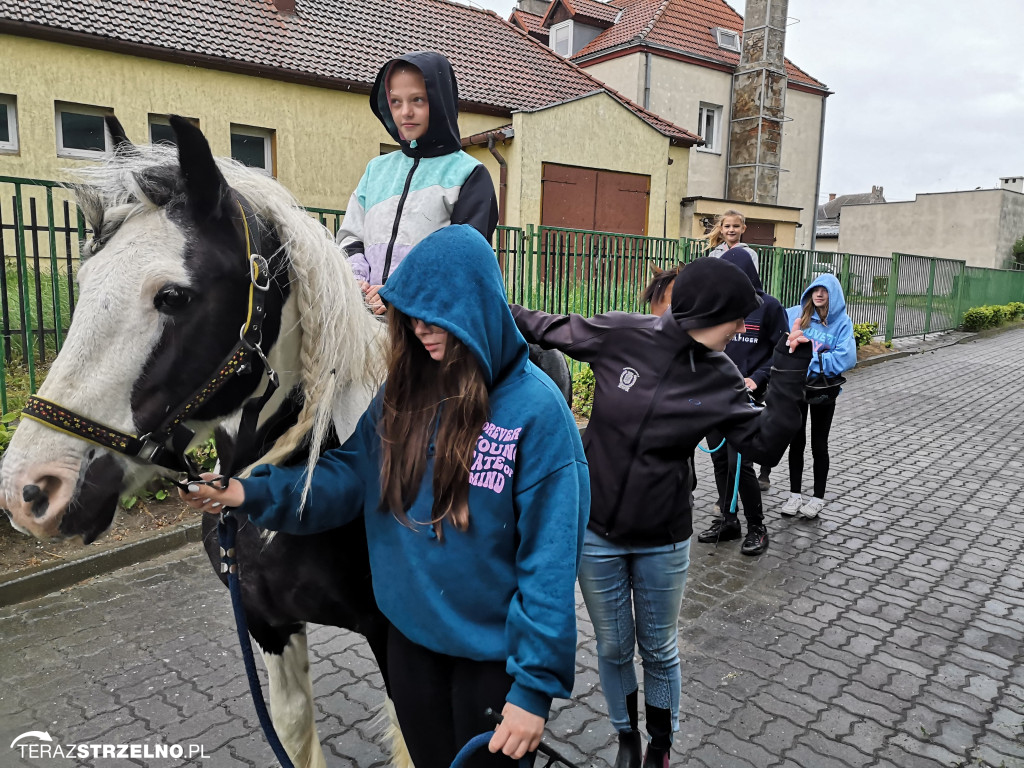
628 378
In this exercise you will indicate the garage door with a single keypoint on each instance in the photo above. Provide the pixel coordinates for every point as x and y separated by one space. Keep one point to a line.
586 198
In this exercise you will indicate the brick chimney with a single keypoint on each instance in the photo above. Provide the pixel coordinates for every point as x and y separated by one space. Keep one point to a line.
285 6
831 196
758 106
536 7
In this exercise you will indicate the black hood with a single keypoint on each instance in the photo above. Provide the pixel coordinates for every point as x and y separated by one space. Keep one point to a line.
711 291
442 136
741 258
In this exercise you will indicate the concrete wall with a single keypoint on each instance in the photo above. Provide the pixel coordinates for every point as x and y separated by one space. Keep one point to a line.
324 138
978 227
677 90
568 134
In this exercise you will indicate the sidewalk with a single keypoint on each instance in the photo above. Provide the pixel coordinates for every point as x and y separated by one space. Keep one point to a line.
885 634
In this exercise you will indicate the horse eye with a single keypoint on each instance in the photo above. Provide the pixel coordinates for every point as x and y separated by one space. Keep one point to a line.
170 298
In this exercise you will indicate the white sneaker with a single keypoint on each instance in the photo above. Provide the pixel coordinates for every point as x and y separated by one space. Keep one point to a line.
811 509
792 505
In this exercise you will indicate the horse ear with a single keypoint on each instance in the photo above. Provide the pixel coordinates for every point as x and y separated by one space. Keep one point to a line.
204 184
122 144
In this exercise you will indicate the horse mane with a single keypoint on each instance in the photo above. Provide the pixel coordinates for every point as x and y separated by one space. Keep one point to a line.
341 352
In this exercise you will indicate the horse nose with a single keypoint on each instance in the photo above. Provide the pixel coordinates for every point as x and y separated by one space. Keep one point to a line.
37 497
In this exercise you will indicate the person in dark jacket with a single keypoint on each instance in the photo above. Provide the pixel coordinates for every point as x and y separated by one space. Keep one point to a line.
661 384
752 350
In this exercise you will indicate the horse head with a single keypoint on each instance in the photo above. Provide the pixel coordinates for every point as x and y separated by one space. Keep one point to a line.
166 288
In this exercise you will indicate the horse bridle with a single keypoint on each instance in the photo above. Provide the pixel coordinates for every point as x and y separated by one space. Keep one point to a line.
166 446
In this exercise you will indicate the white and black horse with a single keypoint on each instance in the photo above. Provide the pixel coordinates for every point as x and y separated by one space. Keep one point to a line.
166 283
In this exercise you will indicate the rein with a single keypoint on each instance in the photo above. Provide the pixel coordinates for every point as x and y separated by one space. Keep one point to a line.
165 446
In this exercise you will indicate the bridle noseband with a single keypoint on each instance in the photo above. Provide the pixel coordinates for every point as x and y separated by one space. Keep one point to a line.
165 446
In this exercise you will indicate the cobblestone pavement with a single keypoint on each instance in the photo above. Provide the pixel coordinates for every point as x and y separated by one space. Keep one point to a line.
885 634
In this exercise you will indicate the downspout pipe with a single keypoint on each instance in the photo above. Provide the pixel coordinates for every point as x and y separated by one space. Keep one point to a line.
647 80
503 177
817 183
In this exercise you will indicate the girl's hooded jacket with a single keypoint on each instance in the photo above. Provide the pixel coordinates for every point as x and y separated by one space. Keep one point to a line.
404 196
658 393
503 590
839 353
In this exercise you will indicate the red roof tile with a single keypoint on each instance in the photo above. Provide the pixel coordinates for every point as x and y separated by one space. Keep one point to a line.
592 9
530 22
330 43
682 25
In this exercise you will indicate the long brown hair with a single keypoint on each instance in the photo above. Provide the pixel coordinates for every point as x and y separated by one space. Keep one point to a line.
422 394
809 308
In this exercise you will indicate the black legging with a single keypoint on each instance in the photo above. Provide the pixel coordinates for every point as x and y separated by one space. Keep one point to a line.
440 702
821 424
724 461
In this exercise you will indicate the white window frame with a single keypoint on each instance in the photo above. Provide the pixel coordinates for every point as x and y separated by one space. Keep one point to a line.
715 110
157 119
267 134
11 103
553 33
81 109
728 39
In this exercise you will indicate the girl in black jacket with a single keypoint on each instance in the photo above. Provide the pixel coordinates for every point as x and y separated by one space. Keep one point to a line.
662 384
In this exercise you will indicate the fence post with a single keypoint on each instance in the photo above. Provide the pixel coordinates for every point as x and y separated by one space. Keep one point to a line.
890 313
58 331
26 304
777 276
931 290
958 309
529 299
844 277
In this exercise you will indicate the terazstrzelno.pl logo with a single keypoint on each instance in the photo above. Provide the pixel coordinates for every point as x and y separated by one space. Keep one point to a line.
39 745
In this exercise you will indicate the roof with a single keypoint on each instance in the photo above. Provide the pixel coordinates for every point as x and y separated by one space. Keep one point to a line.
679 25
604 13
830 211
530 22
328 43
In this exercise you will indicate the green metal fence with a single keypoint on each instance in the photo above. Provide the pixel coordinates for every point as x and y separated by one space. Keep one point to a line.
550 268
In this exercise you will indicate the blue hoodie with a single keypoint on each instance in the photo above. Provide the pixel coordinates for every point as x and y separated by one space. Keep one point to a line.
836 332
503 590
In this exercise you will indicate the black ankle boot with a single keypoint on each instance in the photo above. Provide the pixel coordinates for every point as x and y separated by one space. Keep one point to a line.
656 758
629 750
659 725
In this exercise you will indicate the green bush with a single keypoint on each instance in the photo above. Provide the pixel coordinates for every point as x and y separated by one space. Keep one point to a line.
864 332
583 392
992 315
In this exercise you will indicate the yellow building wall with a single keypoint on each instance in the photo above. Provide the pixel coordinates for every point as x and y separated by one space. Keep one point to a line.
324 137
594 132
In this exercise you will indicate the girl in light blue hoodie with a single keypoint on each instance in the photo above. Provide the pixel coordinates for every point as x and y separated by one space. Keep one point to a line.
822 316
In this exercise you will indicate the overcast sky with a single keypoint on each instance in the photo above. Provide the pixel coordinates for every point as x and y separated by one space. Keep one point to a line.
928 95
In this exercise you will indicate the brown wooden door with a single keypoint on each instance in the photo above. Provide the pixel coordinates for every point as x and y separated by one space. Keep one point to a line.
586 198
759 233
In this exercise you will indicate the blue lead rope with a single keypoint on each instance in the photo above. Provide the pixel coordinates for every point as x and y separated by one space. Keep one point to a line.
736 484
227 530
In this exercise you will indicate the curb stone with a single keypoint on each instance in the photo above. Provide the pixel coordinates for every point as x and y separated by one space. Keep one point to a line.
35 582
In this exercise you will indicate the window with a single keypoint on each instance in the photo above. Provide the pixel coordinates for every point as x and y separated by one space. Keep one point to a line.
253 147
160 131
8 123
727 39
561 38
80 131
709 127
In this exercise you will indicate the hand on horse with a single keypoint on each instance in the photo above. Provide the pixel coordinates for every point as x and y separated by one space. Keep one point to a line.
796 336
373 301
518 732
210 497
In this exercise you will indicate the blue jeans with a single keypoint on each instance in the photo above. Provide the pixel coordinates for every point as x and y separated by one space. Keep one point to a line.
617 582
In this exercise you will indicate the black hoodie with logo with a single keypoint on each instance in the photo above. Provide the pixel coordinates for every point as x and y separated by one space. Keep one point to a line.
659 393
